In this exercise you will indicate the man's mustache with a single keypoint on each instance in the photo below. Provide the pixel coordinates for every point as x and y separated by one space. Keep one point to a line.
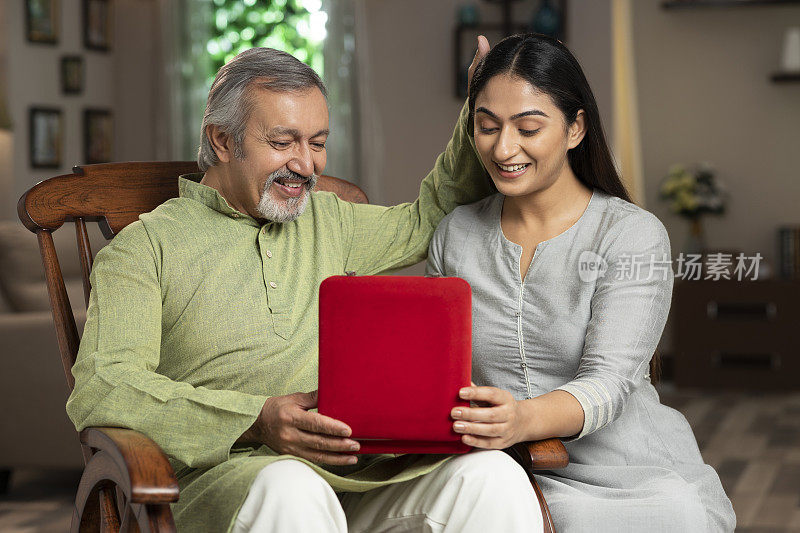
286 174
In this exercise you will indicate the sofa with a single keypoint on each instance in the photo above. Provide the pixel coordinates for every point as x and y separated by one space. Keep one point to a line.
34 429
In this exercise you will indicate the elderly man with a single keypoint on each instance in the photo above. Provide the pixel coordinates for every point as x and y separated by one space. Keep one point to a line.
202 328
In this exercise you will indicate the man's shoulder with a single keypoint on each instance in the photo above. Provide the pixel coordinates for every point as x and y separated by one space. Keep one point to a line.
132 243
162 221
323 200
326 206
174 211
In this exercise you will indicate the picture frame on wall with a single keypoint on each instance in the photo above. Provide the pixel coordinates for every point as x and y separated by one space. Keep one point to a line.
72 74
98 133
41 21
465 37
97 25
46 137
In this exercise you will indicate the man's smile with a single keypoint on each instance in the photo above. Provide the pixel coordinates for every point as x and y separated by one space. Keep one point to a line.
291 188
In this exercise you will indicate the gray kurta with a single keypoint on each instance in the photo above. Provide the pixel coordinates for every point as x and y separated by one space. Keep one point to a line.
635 465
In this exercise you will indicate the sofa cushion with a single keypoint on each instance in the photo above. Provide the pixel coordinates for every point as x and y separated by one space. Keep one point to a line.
27 296
22 282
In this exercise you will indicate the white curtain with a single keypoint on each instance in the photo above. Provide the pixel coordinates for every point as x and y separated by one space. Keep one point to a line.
341 79
182 87
627 139
371 133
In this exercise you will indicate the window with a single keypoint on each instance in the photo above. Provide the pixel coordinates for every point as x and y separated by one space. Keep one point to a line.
294 26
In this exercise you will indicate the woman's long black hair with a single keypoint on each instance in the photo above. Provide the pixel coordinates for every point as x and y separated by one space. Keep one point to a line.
551 68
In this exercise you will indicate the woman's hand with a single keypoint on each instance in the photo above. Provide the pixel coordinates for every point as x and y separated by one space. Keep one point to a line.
498 423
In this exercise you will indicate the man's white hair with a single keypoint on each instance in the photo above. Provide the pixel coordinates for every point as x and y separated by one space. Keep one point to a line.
229 105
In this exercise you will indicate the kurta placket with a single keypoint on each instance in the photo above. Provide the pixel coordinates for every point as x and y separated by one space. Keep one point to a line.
276 284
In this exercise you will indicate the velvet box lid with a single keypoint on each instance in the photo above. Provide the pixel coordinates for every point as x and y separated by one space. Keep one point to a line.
393 353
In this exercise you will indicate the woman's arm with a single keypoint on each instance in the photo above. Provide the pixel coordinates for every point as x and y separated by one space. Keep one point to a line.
629 310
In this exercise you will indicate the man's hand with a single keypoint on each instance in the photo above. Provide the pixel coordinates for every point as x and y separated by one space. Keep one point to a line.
480 53
497 423
287 427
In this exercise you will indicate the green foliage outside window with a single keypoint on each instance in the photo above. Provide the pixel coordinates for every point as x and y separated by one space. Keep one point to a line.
294 26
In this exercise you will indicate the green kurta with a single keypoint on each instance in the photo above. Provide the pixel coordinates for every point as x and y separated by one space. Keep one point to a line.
198 314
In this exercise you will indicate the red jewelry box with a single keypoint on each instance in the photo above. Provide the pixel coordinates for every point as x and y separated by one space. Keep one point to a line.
393 353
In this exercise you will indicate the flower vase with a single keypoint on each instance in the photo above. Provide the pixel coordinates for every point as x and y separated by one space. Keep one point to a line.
696 243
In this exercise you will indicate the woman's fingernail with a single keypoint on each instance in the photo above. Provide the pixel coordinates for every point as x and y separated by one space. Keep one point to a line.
352 460
464 393
457 413
354 446
459 426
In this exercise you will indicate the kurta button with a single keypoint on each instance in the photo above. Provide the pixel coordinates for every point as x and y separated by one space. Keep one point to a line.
269 254
524 365
273 284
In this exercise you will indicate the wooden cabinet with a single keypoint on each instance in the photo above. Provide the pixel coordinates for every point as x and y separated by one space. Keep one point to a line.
742 334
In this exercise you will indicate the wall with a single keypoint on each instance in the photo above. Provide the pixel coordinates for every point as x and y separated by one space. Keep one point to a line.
121 79
6 137
411 76
704 95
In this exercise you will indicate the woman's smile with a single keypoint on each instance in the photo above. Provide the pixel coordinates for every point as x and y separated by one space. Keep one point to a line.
511 171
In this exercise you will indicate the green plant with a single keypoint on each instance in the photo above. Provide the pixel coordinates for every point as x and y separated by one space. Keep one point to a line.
693 193
294 26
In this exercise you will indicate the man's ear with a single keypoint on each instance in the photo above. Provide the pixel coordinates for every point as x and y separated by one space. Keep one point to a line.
219 142
576 130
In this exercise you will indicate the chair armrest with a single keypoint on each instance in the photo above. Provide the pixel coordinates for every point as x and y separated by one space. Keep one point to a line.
150 476
547 454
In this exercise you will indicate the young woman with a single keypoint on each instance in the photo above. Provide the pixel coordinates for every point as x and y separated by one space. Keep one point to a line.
571 289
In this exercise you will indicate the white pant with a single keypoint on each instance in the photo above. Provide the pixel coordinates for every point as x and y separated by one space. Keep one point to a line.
482 491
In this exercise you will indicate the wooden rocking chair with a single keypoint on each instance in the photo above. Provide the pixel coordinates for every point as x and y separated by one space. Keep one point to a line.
128 484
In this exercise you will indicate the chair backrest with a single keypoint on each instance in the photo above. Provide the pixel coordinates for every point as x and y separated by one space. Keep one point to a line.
114 195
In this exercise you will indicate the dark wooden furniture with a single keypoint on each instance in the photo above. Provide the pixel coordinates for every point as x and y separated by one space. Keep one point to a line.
741 334
682 4
128 484
785 77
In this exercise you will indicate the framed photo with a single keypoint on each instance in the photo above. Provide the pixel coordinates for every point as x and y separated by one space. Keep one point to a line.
41 21
72 74
465 38
98 131
46 137
97 24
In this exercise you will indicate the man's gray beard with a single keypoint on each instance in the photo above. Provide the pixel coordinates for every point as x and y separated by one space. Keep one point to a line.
290 209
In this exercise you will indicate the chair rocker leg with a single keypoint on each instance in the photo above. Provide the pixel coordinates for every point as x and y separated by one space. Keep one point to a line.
521 456
95 503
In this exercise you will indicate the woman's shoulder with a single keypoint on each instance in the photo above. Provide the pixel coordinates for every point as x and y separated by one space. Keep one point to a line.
465 217
625 223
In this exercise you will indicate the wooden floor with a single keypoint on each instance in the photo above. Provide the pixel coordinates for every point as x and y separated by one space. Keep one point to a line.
753 440
38 501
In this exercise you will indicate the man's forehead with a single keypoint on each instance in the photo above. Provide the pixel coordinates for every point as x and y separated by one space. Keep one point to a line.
304 111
